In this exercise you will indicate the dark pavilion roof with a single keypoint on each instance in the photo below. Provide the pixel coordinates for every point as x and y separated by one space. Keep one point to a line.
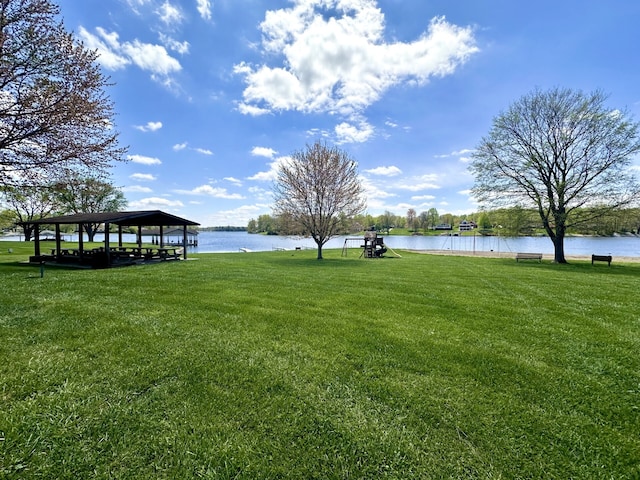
139 218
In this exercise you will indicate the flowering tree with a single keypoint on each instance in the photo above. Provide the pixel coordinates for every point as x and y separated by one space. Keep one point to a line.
316 189
54 114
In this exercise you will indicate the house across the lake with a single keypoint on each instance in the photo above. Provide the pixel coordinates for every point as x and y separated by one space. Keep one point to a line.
466 225
443 226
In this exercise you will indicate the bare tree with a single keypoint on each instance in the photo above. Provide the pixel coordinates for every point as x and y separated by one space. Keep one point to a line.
89 195
559 151
317 188
54 114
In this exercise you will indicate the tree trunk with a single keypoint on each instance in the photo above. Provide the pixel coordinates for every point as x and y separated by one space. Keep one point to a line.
28 232
91 232
319 251
558 245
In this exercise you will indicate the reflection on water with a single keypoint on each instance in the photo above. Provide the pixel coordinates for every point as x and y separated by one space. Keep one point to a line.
627 246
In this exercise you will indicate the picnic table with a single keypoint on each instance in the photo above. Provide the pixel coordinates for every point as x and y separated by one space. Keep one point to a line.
167 252
126 254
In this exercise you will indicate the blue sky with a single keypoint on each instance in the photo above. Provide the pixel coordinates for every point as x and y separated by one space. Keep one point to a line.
211 95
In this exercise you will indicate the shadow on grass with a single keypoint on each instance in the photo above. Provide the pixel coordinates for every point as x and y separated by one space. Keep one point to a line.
626 269
327 262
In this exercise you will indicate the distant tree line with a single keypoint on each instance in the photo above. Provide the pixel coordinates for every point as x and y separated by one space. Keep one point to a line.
511 222
281 225
227 228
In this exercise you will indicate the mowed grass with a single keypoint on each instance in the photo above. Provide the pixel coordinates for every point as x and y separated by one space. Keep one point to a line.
276 365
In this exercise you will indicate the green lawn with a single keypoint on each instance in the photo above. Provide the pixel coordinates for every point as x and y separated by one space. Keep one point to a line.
276 365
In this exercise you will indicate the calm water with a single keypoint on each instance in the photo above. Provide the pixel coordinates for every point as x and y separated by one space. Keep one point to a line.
234 241
628 246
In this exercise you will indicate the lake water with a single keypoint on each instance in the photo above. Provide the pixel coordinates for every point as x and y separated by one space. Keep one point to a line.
626 246
616 246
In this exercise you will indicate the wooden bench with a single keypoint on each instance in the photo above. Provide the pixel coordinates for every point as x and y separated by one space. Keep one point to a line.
528 256
601 258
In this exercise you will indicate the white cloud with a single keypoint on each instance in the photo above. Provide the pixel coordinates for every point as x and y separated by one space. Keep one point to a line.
385 171
114 55
235 181
137 189
210 191
143 177
107 46
169 14
464 151
134 4
204 9
144 160
420 198
424 182
374 194
349 133
152 58
457 153
263 152
261 194
335 58
272 173
254 111
203 151
416 187
267 176
172 44
238 216
155 203
182 146
149 127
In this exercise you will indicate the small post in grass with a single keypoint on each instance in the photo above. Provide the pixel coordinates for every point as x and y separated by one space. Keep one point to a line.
41 269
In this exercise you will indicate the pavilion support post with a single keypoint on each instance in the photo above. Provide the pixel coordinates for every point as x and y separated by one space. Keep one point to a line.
36 239
58 246
80 242
120 235
185 240
161 236
139 236
107 248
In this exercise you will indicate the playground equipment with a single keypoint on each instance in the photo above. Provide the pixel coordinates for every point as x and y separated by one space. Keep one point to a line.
372 245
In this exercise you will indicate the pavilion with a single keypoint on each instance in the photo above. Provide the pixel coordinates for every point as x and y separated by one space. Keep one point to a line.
109 255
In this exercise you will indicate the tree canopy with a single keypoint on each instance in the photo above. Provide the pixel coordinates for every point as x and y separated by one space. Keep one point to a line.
55 116
316 189
29 203
560 152
89 195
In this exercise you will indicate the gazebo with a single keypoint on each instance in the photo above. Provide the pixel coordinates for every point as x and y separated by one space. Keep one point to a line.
109 255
